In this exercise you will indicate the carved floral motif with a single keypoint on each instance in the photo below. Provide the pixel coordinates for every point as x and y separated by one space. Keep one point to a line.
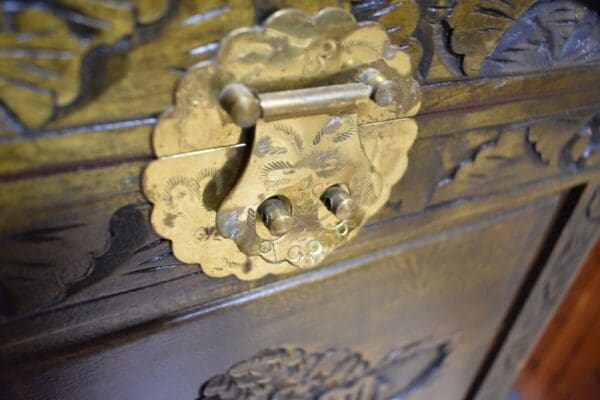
477 25
49 51
332 374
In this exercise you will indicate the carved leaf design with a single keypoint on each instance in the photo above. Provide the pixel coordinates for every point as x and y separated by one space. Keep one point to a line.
51 265
37 265
57 55
495 161
571 146
523 153
479 24
399 17
440 61
332 374
550 34
43 50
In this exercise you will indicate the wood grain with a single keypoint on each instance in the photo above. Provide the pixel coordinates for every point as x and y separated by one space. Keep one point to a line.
540 294
317 310
475 247
565 363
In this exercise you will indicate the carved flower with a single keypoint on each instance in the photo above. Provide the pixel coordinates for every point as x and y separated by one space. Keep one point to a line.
280 374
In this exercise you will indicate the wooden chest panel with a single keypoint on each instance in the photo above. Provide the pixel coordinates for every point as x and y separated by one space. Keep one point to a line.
439 297
372 306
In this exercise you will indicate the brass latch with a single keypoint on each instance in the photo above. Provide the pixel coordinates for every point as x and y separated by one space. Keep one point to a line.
280 149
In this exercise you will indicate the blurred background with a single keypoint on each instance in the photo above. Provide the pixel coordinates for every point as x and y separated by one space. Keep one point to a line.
565 364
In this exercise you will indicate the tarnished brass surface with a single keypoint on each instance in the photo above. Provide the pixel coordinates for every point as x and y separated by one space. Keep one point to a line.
298 159
326 102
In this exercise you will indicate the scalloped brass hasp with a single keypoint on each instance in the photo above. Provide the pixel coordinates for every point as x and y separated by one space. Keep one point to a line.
329 101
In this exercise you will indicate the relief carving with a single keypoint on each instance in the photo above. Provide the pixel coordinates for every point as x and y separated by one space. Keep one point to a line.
440 60
491 37
61 55
75 55
523 151
550 34
477 25
581 150
56 54
59 267
399 17
46 267
98 58
38 265
331 374
572 147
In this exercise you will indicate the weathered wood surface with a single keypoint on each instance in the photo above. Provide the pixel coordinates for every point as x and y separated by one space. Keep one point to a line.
510 119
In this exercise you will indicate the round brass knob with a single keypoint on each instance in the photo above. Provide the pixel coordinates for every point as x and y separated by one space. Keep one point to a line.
384 90
241 104
276 216
339 202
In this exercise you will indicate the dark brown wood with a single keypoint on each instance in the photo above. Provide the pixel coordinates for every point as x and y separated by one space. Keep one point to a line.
320 309
440 296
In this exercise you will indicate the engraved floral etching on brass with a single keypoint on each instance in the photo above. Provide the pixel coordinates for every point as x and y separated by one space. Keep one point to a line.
281 148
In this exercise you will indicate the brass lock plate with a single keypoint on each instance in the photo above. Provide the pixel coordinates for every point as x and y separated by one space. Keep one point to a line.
280 149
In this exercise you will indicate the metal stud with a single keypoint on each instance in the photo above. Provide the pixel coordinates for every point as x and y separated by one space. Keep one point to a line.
339 202
384 90
276 216
241 104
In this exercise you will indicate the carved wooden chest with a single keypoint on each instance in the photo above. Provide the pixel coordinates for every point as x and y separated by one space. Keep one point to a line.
231 199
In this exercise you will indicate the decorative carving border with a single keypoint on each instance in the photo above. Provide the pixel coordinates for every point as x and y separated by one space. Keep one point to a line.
53 264
52 68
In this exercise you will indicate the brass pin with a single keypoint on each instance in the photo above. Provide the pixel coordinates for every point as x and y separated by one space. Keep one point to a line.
241 104
384 90
339 202
276 216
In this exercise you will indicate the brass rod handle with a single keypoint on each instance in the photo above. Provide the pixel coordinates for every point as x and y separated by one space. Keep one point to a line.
317 100
245 108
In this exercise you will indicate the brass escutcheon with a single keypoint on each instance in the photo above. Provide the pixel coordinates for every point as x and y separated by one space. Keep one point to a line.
280 149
